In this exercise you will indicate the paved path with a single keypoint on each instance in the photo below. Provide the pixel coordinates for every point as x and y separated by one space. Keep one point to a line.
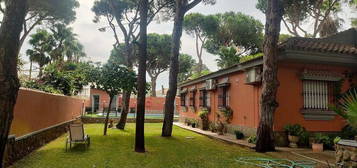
282 152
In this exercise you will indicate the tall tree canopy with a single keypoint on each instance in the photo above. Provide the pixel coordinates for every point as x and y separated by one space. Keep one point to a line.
322 14
237 35
200 27
46 12
42 45
158 57
124 14
186 62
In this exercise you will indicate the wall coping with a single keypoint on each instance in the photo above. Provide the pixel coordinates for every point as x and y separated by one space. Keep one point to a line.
41 130
345 142
52 94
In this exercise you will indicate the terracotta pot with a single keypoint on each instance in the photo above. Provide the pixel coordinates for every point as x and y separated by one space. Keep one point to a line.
317 147
293 140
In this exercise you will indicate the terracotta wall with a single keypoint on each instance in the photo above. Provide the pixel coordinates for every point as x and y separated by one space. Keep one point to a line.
243 100
36 110
290 97
153 104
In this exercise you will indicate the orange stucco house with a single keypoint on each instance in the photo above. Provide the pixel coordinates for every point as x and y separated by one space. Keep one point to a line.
311 71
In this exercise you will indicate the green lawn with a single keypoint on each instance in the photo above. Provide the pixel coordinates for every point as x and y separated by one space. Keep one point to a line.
184 150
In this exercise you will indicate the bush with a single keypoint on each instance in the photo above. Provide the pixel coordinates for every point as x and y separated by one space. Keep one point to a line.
239 135
294 130
348 132
212 127
204 117
252 139
321 139
227 113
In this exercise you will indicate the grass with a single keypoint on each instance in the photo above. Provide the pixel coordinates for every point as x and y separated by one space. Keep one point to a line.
184 150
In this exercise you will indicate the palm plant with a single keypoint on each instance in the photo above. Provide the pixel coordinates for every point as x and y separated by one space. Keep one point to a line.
347 107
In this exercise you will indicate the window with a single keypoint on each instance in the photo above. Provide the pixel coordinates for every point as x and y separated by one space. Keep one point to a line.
192 98
203 98
183 99
317 94
223 97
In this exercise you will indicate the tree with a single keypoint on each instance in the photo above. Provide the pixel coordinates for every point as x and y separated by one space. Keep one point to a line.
200 27
42 44
113 79
237 35
11 27
140 113
158 57
125 15
317 12
181 8
268 103
41 12
186 62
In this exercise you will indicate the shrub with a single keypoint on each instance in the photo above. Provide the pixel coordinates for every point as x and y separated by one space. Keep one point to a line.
347 107
252 139
321 139
227 113
204 117
294 130
239 135
212 127
336 140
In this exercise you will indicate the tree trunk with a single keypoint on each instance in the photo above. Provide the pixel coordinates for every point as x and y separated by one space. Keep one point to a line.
153 85
30 72
268 103
199 55
108 112
124 110
174 69
140 117
40 71
10 30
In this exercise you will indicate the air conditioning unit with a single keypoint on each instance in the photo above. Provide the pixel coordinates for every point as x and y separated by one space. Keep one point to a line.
210 84
253 75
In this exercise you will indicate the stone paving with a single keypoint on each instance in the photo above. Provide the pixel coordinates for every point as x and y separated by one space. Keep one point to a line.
321 158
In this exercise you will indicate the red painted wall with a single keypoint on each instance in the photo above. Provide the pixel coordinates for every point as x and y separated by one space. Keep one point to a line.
153 104
244 99
35 110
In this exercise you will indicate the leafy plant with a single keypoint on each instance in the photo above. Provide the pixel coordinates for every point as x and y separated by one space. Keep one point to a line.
252 139
336 140
347 107
294 129
204 117
239 134
321 139
227 113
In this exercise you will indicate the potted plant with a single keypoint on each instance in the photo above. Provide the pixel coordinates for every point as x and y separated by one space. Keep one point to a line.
194 123
294 131
318 142
220 128
239 135
227 113
204 117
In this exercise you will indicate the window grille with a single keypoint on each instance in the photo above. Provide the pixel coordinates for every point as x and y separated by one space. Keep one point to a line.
317 94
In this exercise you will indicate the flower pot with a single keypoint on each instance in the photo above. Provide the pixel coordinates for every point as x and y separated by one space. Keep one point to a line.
293 140
316 147
193 125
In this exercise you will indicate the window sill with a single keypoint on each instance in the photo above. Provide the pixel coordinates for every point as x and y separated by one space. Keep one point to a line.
318 114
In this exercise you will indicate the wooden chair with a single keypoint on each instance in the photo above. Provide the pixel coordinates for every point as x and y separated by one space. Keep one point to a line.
76 135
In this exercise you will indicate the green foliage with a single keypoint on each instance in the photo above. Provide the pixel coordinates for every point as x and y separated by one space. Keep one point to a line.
336 140
236 30
239 134
321 139
197 24
158 53
294 129
196 75
250 57
228 56
186 62
39 86
348 132
252 139
227 112
347 107
63 11
203 114
284 37
115 78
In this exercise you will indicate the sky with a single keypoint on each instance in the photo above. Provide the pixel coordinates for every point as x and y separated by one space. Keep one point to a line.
99 44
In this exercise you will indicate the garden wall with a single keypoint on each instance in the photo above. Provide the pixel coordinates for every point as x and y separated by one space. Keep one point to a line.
38 119
35 110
